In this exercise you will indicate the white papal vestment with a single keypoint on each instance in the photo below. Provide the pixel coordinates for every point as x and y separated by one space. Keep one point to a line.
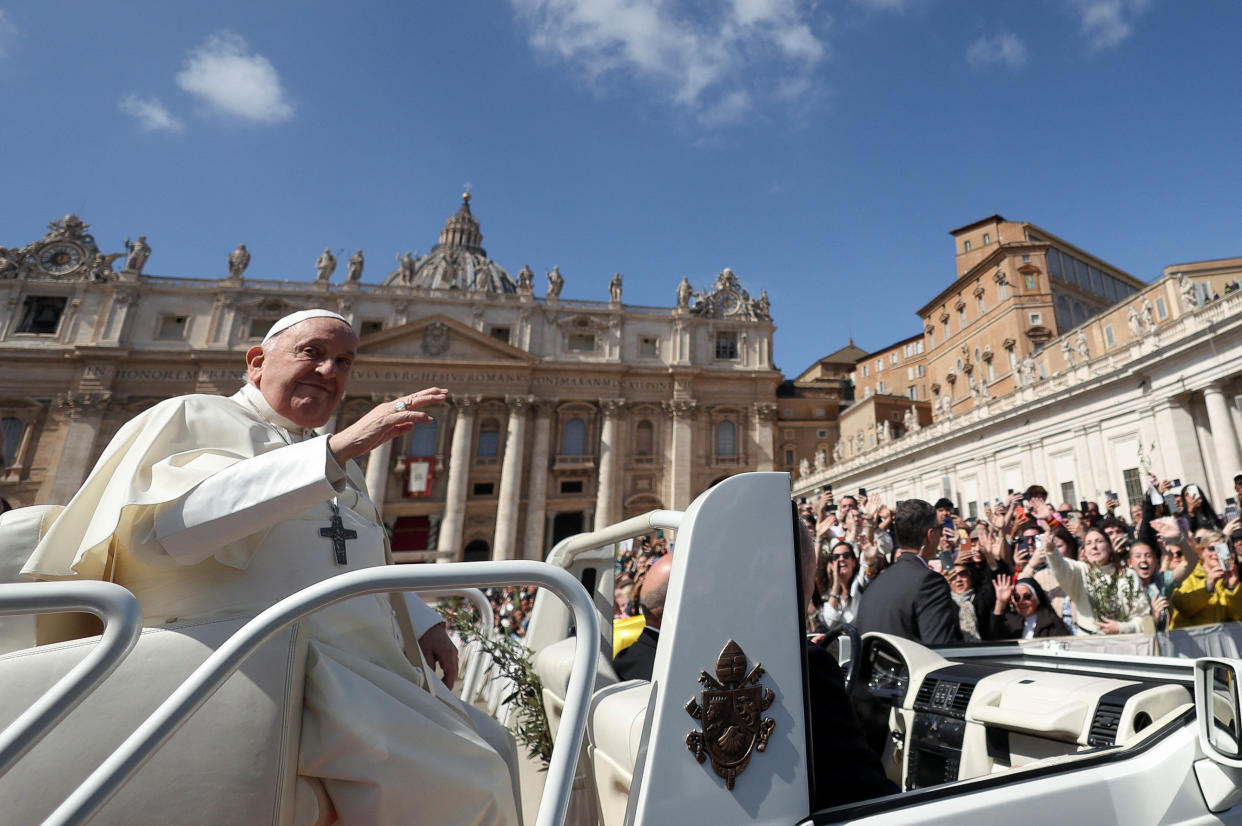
205 505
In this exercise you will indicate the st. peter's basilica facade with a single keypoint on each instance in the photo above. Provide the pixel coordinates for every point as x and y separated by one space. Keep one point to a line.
565 414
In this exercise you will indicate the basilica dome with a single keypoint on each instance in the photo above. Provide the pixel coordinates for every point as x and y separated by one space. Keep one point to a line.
458 262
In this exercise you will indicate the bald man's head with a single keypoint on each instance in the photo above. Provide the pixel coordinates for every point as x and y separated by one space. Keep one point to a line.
655 590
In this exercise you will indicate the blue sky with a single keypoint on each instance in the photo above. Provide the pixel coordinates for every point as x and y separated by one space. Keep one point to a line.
822 150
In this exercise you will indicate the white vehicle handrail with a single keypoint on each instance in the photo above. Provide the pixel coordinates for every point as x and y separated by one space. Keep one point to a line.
119 766
571 546
122 621
474 673
476 597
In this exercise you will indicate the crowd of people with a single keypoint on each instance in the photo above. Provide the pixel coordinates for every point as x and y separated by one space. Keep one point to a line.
511 607
1025 567
633 562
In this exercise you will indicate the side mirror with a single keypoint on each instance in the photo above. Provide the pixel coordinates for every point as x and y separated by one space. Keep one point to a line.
1218 710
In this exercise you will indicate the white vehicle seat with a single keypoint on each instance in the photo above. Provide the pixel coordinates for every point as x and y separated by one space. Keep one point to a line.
234 761
553 665
614 732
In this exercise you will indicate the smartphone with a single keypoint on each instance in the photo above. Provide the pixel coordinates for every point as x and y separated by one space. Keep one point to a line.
1011 491
946 560
1171 503
1223 554
1039 542
862 491
1024 544
1082 506
1175 483
948 524
827 489
1231 509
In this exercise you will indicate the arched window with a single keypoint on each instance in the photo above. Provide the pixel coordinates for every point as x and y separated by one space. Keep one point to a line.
476 551
573 439
489 439
11 431
726 439
645 439
423 439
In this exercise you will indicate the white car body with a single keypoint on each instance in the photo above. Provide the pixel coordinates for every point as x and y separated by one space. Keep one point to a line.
735 578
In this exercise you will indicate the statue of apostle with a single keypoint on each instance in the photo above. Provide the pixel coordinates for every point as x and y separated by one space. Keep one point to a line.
356 262
325 265
204 505
239 259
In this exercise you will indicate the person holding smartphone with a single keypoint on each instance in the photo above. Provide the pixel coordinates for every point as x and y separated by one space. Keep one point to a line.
1159 579
1211 592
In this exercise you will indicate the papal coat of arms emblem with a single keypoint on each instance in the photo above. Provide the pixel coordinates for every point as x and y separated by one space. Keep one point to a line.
436 339
730 711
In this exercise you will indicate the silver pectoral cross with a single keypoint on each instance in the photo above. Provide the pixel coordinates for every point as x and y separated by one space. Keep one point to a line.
338 533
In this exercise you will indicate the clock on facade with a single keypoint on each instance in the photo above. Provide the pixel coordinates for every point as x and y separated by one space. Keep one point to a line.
61 257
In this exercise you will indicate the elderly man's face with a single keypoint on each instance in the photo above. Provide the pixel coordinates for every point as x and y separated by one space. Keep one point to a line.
304 373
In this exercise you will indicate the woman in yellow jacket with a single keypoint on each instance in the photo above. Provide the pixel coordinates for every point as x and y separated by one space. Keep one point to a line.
1210 594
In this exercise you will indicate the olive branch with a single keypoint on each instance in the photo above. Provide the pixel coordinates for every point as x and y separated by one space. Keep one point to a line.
527 720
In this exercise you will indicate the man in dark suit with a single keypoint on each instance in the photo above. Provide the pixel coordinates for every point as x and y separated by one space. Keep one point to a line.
636 661
909 600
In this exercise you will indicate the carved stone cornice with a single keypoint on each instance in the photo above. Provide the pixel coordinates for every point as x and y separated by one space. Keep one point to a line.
765 411
465 401
612 407
76 404
680 408
518 403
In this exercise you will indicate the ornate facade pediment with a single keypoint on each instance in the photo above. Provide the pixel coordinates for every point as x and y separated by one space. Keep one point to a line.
67 252
440 338
726 299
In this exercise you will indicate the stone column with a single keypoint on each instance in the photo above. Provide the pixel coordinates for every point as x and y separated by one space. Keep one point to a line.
1176 442
606 497
504 544
537 520
681 452
1225 441
765 436
81 414
377 474
459 475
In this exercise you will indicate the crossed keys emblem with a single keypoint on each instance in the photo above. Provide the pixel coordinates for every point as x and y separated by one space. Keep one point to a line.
730 710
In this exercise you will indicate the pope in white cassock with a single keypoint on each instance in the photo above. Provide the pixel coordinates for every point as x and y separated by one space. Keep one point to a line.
205 505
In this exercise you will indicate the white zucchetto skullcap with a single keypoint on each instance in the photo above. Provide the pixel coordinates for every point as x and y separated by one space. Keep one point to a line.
297 318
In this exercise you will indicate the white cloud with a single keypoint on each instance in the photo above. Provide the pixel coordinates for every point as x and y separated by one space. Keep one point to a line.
150 113
8 34
885 5
1003 48
234 81
1105 23
714 66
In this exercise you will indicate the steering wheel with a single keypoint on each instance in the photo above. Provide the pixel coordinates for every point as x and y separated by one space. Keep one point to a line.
855 661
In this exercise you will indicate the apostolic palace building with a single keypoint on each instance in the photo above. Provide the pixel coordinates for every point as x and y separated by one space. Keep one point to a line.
565 414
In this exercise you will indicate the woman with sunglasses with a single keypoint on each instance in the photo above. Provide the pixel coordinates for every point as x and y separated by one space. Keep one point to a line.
1031 614
848 583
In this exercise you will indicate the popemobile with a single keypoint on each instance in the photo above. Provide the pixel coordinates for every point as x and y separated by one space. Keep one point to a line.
200 722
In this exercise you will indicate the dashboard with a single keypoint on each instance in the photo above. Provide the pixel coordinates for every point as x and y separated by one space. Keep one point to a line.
939 721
